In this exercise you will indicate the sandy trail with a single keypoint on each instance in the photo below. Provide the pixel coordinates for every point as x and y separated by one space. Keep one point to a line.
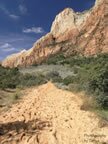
48 115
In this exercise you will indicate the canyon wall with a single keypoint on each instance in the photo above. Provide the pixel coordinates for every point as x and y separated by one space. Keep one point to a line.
83 33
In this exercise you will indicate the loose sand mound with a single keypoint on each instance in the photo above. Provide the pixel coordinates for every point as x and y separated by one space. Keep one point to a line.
48 115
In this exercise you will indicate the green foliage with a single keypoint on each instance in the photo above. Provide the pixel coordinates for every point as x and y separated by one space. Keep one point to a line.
12 78
103 114
28 80
91 76
68 80
9 78
56 59
54 76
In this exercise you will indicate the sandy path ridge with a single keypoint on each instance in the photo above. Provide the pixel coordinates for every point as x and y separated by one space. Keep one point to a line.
48 115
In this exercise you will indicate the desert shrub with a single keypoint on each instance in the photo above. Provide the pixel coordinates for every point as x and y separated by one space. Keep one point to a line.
99 78
89 103
12 78
56 59
15 96
68 80
75 69
102 100
54 76
9 78
91 76
28 80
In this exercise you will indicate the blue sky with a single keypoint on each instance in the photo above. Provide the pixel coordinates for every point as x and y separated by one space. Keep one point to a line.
22 22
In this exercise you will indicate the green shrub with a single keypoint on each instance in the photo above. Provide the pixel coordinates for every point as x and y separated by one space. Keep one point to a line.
91 76
28 80
54 76
56 59
12 78
9 78
68 80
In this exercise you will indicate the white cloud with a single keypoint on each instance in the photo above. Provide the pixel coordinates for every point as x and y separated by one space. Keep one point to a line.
22 9
7 47
8 13
14 42
37 30
15 17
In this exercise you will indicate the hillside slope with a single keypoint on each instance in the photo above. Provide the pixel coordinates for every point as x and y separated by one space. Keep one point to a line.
48 115
71 33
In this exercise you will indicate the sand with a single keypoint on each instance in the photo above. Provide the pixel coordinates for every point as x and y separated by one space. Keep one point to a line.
48 115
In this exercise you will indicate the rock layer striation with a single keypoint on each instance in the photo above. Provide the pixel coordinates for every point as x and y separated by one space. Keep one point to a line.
83 33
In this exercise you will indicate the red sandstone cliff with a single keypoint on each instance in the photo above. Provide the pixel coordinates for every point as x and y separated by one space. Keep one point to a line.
84 33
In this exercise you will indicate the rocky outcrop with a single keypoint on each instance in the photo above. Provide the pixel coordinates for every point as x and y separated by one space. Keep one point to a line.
68 22
93 38
84 33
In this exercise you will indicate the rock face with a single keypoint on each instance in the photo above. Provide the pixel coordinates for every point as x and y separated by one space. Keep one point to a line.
68 22
83 33
93 37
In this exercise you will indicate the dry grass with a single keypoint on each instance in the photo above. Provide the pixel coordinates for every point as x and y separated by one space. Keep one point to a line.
8 97
89 104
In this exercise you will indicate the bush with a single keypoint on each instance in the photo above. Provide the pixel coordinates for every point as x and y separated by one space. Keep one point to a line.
9 78
12 78
56 59
28 80
91 76
54 76
68 80
102 101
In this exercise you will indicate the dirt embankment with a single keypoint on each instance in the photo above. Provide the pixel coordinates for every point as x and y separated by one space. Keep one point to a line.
48 115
